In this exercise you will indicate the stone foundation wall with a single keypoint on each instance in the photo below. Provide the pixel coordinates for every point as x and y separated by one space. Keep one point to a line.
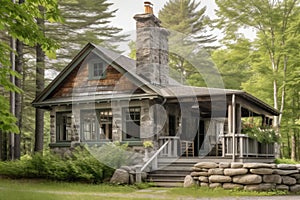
247 176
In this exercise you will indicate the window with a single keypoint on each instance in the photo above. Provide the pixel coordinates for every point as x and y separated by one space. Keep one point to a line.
63 126
96 125
131 126
97 69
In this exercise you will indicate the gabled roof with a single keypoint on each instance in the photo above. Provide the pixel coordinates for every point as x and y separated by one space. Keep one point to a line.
122 63
127 66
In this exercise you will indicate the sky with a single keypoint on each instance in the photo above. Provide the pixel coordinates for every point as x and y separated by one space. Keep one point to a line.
128 8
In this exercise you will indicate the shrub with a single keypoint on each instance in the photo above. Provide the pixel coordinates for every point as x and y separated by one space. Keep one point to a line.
81 166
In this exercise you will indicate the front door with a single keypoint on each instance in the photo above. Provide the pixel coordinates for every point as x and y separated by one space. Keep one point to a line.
199 138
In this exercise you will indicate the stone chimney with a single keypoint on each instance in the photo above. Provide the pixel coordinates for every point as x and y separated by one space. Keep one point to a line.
151 47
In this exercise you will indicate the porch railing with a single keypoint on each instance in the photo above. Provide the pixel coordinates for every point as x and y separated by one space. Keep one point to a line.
246 147
172 148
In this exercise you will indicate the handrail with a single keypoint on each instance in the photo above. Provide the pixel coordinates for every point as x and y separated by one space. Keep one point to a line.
155 155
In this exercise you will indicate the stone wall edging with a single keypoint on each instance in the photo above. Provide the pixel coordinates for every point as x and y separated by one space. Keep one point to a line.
247 176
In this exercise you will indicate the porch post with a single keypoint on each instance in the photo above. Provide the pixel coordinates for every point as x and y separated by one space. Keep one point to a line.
233 128
239 127
229 121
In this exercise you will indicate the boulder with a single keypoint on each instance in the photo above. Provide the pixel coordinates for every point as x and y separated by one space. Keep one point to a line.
204 184
295 188
260 187
272 178
203 179
261 171
232 186
120 176
258 165
282 187
188 181
206 165
199 174
236 165
286 166
234 172
296 176
216 171
247 179
219 179
287 180
224 165
285 172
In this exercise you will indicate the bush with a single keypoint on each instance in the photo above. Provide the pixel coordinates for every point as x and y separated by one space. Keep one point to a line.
81 166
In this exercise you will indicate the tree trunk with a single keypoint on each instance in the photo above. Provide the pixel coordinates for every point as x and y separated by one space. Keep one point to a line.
18 102
293 152
40 83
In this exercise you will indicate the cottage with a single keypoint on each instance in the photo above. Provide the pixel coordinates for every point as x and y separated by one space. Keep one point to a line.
102 96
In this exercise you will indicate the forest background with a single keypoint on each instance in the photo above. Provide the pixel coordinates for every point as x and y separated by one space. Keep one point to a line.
39 37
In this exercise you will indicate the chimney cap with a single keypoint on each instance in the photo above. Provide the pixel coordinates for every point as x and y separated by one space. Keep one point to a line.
148 7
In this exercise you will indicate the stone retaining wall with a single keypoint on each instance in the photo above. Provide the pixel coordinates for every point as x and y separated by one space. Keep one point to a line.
247 176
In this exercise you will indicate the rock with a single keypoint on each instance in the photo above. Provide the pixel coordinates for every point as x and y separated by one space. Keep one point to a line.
296 176
204 185
234 172
224 165
188 181
285 172
272 178
236 165
287 180
207 165
262 171
298 166
282 187
295 188
120 176
216 171
260 187
203 179
219 179
247 179
126 168
215 185
199 174
232 186
196 169
286 166
257 165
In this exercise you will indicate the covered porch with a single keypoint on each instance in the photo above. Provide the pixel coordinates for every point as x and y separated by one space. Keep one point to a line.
221 130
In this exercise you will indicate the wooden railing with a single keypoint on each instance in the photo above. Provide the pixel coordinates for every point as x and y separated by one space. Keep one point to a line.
246 146
172 149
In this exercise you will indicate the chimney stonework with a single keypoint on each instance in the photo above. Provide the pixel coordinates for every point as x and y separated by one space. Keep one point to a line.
152 49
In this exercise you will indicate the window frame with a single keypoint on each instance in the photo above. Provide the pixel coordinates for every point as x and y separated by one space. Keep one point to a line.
92 64
125 112
97 125
59 116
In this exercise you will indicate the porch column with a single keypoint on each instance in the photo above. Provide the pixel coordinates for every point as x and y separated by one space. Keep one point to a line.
239 127
229 121
233 127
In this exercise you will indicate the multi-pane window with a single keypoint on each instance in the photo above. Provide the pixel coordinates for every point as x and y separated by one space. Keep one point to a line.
63 126
97 69
96 125
131 125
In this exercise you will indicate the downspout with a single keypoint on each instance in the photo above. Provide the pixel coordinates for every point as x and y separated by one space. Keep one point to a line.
233 128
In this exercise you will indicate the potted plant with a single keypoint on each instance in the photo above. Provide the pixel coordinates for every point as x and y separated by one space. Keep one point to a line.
148 145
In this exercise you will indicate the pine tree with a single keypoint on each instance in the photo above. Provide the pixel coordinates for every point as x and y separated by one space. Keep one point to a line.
188 26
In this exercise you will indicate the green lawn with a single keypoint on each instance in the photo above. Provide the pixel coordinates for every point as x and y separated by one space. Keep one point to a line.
49 190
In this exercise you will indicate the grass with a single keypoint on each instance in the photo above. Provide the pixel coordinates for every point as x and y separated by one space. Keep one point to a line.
50 190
